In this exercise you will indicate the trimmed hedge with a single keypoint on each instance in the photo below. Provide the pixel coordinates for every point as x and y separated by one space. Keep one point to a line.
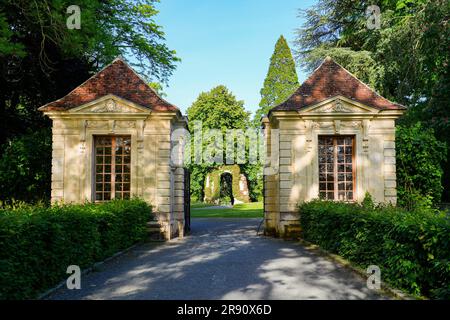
412 249
37 244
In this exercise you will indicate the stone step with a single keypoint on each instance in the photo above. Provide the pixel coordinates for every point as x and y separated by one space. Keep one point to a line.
155 232
292 231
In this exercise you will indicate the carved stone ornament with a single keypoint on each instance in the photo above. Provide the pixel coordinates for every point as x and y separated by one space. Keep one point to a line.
125 124
323 125
336 107
110 106
351 124
97 124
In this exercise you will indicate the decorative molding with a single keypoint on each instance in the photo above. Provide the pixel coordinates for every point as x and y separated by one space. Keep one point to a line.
84 124
110 106
365 140
112 125
97 124
125 124
140 125
337 126
309 126
351 124
323 125
366 128
336 107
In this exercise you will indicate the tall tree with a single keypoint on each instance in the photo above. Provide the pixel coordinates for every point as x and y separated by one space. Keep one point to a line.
216 109
42 59
281 80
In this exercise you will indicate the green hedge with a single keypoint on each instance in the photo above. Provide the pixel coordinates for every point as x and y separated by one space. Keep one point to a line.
412 249
39 243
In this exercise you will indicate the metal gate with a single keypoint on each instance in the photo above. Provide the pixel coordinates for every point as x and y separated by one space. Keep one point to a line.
187 201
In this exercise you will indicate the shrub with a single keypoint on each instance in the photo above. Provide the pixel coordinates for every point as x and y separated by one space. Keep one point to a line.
38 243
419 172
412 249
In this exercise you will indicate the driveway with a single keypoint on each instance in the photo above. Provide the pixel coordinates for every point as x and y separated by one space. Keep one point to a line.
222 259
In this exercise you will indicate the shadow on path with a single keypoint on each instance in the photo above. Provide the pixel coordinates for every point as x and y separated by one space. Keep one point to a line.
222 259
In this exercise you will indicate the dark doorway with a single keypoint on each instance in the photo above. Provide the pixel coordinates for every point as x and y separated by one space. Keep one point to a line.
226 188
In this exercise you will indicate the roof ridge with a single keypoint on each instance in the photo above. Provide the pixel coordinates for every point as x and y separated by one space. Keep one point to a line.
364 84
144 80
118 68
331 78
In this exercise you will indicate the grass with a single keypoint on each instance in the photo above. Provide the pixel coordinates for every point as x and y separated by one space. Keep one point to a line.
196 205
243 210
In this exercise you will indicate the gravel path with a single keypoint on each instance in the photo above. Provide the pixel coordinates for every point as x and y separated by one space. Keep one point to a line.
222 259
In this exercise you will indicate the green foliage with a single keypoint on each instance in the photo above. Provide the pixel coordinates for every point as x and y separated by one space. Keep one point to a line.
419 174
41 60
281 80
226 189
254 173
360 63
412 248
25 167
159 88
108 29
407 60
368 201
216 109
39 243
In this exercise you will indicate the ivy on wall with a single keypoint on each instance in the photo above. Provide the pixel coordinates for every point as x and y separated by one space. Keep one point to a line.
212 192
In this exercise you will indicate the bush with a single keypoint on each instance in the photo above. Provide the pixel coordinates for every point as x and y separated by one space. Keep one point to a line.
412 249
38 243
419 172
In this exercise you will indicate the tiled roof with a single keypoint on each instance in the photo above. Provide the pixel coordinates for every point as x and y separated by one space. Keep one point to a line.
330 80
118 79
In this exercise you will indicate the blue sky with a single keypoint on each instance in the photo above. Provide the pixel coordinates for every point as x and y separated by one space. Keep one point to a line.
225 42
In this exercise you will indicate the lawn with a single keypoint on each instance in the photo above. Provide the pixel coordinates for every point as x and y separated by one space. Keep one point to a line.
196 205
243 210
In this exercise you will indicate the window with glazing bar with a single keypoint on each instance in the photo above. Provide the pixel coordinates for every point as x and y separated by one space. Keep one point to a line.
336 168
112 167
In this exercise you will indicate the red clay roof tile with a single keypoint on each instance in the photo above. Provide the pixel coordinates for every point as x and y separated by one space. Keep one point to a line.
329 80
118 79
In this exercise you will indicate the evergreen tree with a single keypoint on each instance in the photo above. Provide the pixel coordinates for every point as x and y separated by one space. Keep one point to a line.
281 80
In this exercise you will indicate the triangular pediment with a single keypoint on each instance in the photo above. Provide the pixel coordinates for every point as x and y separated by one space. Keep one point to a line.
338 105
110 104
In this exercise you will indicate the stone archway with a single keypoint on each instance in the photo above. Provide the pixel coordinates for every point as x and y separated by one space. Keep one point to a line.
240 191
